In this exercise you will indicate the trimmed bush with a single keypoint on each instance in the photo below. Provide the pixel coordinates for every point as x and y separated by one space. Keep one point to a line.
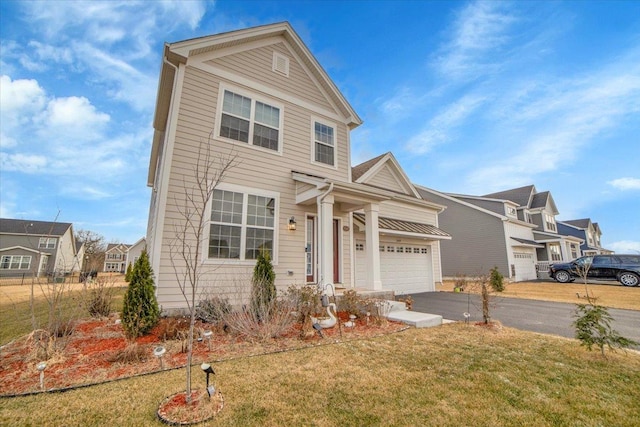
140 311
263 289
496 280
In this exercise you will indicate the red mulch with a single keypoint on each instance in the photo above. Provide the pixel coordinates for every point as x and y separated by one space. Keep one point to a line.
88 353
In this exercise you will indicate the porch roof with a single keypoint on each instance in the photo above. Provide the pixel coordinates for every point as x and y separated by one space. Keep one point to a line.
526 243
408 228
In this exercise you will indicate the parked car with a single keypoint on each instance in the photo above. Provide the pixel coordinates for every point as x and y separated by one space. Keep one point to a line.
623 268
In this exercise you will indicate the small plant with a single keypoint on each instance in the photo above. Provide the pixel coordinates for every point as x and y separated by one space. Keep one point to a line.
496 279
263 288
132 353
98 296
140 311
305 301
351 302
593 327
459 283
213 309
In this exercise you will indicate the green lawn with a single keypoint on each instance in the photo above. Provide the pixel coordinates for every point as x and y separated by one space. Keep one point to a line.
447 376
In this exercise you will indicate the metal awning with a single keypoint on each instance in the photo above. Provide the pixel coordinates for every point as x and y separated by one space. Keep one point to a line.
526 243
408 228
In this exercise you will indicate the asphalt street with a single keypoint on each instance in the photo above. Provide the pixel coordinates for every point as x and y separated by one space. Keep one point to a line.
545 317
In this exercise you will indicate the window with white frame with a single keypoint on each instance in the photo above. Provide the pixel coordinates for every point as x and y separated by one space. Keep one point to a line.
324 145
15 262
554 249
574 251
47 243
242 224
246 119
551 222
511 211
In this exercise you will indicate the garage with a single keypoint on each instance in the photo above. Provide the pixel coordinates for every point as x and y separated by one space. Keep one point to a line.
404 267
524 265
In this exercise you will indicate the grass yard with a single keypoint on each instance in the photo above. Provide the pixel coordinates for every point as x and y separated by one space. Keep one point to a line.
609 295
448 376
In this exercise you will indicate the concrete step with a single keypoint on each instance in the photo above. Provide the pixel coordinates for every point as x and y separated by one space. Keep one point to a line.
416 319
397 305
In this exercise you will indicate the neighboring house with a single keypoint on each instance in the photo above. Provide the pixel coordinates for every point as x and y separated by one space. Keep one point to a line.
135 250
115 258
540 209
37 247
486 233
260 94
586 230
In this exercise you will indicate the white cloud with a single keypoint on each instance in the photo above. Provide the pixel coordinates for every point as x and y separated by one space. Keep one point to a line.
439 128
625 183
19 101
75 118
624 247
22 162
480 28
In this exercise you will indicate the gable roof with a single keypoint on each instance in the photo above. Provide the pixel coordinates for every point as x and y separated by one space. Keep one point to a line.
522 195
29 227
179 52
366 171
578 223
122 247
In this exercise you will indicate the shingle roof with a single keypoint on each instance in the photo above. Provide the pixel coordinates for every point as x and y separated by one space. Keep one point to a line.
359 170
39 228
518 195
539 200
580 223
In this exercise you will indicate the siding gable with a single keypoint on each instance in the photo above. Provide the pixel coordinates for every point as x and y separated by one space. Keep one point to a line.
255 64
387 173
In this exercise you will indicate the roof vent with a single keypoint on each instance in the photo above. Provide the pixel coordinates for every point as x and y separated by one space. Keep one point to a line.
280 64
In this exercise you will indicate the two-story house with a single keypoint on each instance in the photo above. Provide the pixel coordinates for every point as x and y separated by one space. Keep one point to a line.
115 258
486 233
261 95
540 209
586 230
37 248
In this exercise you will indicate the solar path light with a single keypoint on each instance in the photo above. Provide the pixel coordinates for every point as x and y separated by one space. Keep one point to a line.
41 367
207 369
158 352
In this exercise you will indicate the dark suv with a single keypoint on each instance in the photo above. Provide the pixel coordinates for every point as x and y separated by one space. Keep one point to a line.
623 268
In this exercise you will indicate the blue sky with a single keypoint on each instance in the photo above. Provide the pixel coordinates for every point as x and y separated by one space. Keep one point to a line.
471 97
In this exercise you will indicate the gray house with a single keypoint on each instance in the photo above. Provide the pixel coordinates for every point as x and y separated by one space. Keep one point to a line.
486 233
37 247
586 230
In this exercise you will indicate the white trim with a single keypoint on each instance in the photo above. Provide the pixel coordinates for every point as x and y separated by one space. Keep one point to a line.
254 97
329 124
165 173
276 229
25 249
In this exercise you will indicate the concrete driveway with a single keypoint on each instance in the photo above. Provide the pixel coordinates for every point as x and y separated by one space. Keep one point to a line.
530 315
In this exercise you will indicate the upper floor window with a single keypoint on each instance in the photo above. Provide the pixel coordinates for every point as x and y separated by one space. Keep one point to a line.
246 119
550 222
324 143
47 243
242 224
15 262
511 211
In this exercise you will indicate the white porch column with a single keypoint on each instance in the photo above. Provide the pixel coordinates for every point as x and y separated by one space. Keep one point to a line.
325 213
372 245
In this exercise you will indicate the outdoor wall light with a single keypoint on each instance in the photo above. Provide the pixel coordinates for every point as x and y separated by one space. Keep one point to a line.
292 223
41 367
208 370
207 336
158 352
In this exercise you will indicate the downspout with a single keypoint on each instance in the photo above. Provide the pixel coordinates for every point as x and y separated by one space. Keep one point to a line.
319 201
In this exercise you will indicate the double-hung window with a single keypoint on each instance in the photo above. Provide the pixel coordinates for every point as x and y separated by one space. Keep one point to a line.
47 243
246 119
242 224
324 143
15 262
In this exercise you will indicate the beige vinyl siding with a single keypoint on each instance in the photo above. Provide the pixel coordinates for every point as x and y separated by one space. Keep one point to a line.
408 213
258 169
256 64
384 178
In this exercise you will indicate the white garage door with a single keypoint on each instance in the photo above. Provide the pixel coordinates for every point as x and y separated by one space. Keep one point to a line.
525 266
404 268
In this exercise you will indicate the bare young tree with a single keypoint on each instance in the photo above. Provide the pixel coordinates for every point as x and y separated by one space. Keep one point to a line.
94 249
190 227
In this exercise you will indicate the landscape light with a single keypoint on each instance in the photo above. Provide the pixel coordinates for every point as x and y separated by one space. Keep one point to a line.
208 370
207 336
158 352
41 367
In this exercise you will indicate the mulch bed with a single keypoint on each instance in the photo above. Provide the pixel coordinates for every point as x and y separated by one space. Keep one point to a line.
87 355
